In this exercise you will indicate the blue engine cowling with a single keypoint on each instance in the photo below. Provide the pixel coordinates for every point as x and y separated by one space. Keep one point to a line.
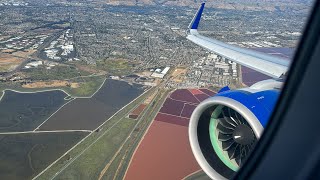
224 128
260 103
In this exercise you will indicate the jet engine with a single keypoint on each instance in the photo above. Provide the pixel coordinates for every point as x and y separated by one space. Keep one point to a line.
223 129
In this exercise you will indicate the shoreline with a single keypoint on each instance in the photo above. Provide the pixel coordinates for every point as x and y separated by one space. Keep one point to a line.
64 91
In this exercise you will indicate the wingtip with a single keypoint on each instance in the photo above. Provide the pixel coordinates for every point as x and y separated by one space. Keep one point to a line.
196 20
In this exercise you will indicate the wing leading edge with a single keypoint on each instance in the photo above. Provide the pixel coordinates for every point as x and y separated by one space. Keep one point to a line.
269 65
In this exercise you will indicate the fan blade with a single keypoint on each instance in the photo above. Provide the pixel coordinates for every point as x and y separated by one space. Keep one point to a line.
226 124
231 150
230 121
237 152
238 160
232 117
247 149
235 120
224 137
239 118
243 152
227 144
242 119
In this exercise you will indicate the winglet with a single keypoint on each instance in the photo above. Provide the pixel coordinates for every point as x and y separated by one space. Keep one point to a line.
196 20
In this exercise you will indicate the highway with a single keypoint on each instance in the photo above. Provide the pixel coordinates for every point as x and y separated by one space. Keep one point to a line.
34 55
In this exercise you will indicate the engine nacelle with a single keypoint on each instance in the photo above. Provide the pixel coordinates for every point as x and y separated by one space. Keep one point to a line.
224 128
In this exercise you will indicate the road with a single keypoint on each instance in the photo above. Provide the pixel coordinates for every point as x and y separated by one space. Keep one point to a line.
84 150
161 85
34 55
141 119
38 132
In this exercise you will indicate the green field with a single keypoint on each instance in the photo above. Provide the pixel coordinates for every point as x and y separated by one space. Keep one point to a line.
115 66
23 156
88 165
5 68
214 88
120 164
88 86
91 155
55 73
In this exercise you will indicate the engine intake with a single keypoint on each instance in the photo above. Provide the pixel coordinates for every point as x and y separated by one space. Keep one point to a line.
224 129
230 135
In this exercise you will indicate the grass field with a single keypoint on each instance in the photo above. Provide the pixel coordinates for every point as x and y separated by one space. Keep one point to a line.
24 156
215 88
87 86
9 61
87 166
120 164
104 144
115 66
56 73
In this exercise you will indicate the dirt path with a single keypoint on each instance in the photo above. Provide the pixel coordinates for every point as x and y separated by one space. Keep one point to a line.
50 84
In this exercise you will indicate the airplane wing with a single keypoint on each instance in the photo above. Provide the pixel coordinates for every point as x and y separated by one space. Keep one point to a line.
269 65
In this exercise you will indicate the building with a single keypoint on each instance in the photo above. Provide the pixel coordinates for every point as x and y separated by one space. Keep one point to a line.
165 70
160 74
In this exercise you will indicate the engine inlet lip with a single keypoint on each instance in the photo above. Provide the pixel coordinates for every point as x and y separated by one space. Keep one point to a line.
193 130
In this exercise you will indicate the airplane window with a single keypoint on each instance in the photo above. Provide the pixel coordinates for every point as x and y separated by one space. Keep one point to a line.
140 89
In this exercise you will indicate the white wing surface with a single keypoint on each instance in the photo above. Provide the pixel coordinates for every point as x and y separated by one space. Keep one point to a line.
267 64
